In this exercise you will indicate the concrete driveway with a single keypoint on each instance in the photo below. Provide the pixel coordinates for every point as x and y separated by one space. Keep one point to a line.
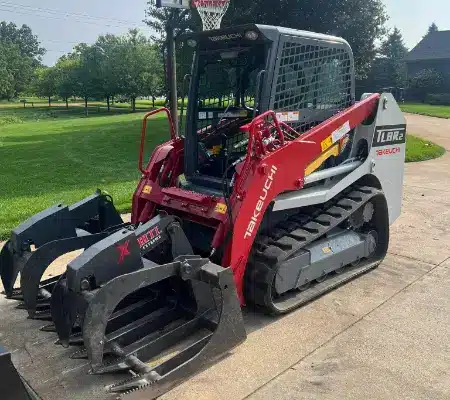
383 336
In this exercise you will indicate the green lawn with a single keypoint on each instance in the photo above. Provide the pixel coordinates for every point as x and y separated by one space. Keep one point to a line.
58 112
67 158
426 109
421 150
52 155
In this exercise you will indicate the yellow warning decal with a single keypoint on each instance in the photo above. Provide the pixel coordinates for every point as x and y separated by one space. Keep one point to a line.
327 143
334 151
327 250
217 149
147 189
221 208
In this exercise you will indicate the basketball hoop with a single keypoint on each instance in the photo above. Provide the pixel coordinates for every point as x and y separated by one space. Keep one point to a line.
211 12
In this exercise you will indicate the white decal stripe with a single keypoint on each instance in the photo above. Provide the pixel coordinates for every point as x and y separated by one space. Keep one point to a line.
339 133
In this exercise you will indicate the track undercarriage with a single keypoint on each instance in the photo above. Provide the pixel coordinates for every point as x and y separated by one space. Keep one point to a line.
310 254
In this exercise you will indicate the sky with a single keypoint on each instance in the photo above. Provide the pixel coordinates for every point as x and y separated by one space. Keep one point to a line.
62 24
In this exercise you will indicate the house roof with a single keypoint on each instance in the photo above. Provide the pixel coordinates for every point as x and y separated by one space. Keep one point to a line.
434 46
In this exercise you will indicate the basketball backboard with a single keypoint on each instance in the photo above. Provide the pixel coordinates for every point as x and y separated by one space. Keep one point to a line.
173 3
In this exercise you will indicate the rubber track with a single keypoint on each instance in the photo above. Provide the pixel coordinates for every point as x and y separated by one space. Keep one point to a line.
291 236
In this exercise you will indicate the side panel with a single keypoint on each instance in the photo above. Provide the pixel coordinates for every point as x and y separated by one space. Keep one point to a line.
385 139
388 153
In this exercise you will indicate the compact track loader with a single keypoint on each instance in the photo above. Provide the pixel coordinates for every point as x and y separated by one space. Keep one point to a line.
280 188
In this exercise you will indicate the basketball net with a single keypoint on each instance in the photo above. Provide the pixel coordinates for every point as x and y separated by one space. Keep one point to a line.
211 12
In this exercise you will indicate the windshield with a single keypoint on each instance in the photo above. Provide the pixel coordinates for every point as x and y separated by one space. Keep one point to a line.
227 82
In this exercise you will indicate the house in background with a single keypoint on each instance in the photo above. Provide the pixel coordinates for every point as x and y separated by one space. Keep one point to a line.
433 52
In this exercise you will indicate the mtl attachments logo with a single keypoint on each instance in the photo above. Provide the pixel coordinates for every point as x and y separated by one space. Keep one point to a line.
123 251
389 135
260 204
149 238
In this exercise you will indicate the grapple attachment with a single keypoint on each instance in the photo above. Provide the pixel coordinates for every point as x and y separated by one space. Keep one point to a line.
142 302
40 240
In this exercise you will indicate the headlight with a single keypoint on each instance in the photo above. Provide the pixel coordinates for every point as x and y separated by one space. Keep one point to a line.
251 35
192 43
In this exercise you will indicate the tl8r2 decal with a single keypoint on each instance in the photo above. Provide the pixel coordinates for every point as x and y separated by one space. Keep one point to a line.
389 135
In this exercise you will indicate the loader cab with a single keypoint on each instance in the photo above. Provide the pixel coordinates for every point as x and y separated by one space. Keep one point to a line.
240 72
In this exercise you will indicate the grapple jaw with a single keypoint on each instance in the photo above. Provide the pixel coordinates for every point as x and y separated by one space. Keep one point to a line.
160 321
193 336
44 237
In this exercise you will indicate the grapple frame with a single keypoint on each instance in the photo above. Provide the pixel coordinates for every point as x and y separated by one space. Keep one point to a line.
205 307
41 239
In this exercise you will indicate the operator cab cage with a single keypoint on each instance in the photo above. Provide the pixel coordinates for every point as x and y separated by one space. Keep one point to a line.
240 72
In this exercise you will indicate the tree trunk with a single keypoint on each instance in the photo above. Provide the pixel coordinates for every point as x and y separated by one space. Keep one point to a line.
49 101
133 104
166 78
67 102
86 112
172 75
153 100
112 100
107 102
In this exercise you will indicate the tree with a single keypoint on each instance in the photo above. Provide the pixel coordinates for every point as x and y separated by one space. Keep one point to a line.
360 22
23 37
88 72
45 83
19 54
153 83
181 21
6 75
108 46
65 70
139 66
16 71
431 29
392 68
425 82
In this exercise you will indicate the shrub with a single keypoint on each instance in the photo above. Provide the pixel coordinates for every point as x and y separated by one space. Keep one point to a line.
10 119
438 99
425 82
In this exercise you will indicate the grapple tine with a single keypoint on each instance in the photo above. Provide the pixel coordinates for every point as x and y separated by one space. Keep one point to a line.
42 315
17 297
120 364
76 339
20 306
48 328
35 267
64 310
11 265
132 384
80 355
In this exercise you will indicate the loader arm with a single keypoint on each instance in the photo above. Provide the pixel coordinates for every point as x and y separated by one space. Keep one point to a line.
265 176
